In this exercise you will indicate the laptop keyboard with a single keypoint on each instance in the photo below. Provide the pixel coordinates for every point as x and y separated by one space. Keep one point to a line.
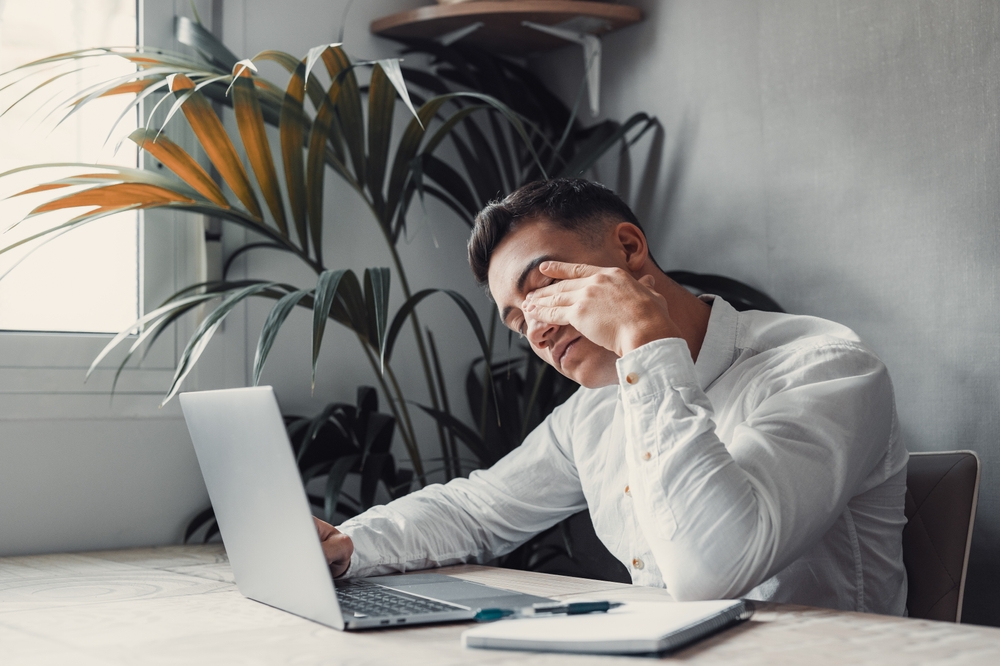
361 598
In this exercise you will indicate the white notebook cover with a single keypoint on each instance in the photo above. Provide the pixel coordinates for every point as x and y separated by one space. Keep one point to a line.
635 628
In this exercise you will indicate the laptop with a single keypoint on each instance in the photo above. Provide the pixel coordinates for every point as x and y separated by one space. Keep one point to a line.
271 539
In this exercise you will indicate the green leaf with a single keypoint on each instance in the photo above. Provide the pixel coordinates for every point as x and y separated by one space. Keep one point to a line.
406 151
319 469
335 483
275 319
328 285
395 75
314 55
448 200
590 152
151 334
504 150
315 167
194 35
451 182
377 300
181 163
378 434
408 307
450 453
215 140
485 163
246 248
465 434
250 121
381 108
367 401
203 335
514 120
315 426
143 321
349 111
314 88
371 474
291 128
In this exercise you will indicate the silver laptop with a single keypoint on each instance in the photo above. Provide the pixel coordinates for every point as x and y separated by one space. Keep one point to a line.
270 537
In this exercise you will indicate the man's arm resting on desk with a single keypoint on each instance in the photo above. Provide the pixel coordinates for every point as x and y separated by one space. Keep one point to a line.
467 520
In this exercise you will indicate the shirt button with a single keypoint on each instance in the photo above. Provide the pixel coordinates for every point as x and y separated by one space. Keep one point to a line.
628 492
637 563
631 378
647 455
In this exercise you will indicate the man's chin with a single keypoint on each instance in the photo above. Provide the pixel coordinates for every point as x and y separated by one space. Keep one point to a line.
592 378
595 383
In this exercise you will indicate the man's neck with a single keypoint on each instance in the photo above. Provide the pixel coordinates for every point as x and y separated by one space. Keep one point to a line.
690 313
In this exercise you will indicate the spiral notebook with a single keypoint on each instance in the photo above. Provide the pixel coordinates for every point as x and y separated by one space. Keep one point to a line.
635 628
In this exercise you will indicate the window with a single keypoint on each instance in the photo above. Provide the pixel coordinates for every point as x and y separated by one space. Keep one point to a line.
43 363
87 280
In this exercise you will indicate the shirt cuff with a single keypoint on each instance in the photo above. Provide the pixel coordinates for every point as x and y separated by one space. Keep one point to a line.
656 367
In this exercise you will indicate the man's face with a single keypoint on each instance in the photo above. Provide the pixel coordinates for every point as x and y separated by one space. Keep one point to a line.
514 273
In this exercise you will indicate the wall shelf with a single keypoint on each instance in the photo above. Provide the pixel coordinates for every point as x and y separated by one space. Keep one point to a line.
502 29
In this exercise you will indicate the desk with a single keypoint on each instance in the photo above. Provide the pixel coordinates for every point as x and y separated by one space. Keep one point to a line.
179 605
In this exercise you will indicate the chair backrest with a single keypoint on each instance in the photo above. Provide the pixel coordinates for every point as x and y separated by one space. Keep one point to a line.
942 491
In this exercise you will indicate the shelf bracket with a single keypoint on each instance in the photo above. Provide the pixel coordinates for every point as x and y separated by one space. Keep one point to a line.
450 38
591 57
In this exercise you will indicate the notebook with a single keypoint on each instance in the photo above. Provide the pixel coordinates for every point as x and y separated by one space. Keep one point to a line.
635 628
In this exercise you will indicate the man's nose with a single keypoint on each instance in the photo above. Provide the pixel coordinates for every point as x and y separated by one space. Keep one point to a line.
539 333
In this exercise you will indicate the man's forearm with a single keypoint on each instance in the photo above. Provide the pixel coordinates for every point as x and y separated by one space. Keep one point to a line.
469 520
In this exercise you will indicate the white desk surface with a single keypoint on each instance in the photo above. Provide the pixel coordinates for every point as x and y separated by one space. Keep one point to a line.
178 605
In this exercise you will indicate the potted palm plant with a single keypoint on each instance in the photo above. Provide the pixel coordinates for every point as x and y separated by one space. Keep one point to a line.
326 120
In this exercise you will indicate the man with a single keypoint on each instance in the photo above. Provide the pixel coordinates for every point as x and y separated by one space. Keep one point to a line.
721 454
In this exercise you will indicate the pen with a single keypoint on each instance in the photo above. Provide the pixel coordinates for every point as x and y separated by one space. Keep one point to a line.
577 608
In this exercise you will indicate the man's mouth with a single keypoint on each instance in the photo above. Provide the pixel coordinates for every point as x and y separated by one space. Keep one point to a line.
560 352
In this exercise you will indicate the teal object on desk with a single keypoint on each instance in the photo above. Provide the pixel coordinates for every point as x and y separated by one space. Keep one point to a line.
577 608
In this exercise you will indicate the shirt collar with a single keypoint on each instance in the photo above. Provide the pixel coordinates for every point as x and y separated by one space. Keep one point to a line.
718 350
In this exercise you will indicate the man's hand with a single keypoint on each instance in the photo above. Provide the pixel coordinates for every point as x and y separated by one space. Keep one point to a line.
337 547
606 305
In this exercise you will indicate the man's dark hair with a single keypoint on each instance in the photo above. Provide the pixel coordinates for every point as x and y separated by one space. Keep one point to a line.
570 203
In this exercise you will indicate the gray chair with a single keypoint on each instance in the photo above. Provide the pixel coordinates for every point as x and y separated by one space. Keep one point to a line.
942 491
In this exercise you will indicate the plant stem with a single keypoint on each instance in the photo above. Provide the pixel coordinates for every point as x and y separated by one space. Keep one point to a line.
421 349
488 387
450 456
418 462
405 427
530 405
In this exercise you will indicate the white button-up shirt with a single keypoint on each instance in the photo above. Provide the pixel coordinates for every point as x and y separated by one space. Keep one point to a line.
770 469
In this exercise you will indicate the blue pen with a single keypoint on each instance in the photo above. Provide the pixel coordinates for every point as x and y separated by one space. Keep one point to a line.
576 608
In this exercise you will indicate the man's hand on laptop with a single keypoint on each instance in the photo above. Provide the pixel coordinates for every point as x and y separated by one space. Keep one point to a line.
337 547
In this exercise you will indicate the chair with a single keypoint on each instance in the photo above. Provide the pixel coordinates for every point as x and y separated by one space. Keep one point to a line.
942 491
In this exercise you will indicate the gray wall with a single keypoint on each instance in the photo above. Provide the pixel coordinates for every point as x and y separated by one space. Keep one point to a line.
843 157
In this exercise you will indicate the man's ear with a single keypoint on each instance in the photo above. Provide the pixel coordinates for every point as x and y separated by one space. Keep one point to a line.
633 244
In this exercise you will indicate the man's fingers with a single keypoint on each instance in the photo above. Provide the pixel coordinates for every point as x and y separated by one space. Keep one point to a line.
564 271
556 314
555 288
543 299
647 281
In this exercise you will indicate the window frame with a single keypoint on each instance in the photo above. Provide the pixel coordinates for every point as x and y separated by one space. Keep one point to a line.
42 373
